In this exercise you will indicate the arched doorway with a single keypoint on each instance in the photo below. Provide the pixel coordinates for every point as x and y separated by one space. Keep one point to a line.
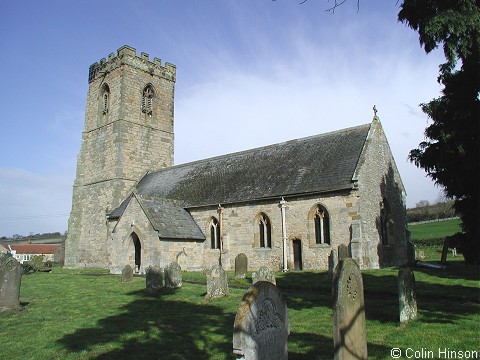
138 252
297 255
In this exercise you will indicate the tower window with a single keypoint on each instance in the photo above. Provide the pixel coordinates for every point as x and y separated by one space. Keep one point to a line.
147 100
105 99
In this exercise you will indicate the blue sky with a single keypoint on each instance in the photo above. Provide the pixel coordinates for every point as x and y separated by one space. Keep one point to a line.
249 73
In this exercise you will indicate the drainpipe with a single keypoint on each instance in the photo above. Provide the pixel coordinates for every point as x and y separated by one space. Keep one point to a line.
220 224
284 233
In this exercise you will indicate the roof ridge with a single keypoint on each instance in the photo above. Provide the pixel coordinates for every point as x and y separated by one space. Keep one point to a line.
264 147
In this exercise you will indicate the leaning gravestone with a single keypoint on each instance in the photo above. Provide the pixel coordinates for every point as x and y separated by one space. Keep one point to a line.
173 276
407 295
263 274
127 274
343 252
10 279
241 263
154 278
261 327
349 329
217 283
332 261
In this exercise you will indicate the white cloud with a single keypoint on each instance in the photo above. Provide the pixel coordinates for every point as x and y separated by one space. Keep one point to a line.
240 109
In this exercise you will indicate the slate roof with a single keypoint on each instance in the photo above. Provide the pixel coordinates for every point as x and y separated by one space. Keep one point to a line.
315 164
171 220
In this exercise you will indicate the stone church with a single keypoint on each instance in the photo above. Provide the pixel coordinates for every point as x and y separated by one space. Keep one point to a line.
285 206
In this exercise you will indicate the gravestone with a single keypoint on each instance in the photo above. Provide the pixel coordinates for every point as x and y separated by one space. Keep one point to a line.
241 263
264 274
261 327
446 245
182 259
154 278
127 274
173 276
407 294
343 252
10 279
349 328
217 283
332 261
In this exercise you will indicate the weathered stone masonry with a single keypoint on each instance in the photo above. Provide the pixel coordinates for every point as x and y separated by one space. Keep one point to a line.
118 146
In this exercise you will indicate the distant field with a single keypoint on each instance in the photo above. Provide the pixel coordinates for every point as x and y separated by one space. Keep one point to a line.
438 229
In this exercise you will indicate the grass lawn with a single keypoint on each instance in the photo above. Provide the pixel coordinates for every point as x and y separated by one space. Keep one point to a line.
92 315
437 229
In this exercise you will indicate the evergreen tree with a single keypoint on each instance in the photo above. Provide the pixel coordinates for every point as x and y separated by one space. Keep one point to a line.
451 152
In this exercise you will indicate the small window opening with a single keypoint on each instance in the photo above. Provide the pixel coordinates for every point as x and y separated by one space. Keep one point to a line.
147 100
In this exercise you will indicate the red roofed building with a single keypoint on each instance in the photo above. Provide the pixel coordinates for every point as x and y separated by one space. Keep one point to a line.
24 252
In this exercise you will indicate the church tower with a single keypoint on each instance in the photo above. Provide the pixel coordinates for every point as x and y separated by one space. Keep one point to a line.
128 131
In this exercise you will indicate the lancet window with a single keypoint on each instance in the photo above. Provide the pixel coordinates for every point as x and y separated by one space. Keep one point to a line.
265 231
214 234
105 99
322 225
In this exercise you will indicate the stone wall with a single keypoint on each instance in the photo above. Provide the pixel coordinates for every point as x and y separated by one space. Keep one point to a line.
118 147
378 179
239 227
155 251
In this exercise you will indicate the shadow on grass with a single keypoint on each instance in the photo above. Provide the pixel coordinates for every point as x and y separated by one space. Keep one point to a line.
154 327
441 303
437 302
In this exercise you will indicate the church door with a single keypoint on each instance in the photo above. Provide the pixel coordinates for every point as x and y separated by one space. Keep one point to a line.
138 252
297 255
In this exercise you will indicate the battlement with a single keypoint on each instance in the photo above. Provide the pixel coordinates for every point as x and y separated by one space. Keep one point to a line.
127 55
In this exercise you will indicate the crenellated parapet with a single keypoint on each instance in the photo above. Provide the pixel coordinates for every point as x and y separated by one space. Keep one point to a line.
127 55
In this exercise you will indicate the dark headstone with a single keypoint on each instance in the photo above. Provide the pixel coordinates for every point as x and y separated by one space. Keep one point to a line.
10 280
264 274
332 261
349 328
407 295
173 276
241 263
154 279
411 252
127 274
446 245
261 325
217 283
343 252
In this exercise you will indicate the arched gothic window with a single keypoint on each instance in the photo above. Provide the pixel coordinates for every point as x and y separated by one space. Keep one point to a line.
265 231
147 100
214 234
322 225
105 99
386 223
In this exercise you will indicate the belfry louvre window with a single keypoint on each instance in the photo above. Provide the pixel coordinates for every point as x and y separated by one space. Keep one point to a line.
322 226
265 231
147 100
105 99
214 234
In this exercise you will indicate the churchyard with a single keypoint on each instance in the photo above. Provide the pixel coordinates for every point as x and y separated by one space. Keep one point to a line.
89 314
